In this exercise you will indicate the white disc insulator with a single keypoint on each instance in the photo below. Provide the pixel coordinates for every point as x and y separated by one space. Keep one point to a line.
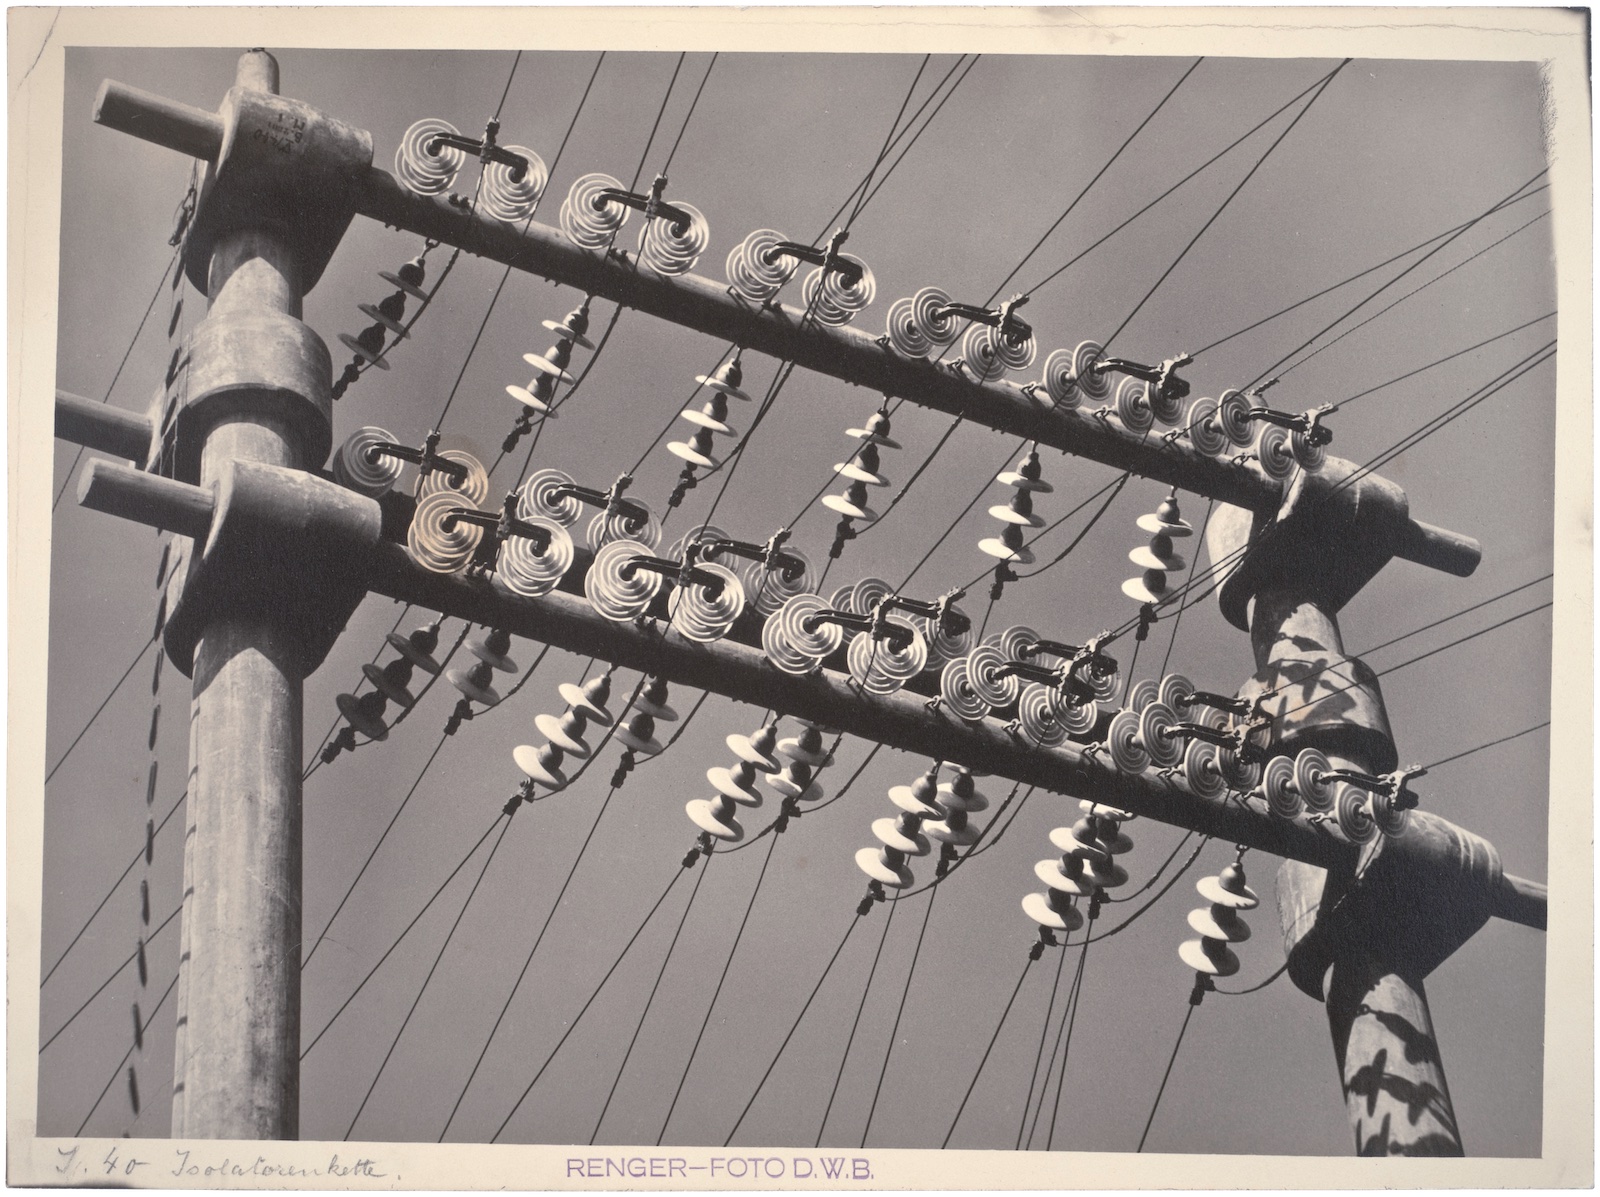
471 491
1036 712
870 862
867 593
537 498
1241 776
926 306
956 690
1274 452
1391 820
1038 908
434 545
1061 379
1202 771
980 350
702 534
783 655
366 475
1133 405
817 642
995 547
1233 414
612 593
903 332
1168 408
1309 457
1311 778
767 590
703 619
609 526
1175 691
1210 956
522 571
1277 784
1093 383
669 249
1145 691
1078 720
1128 752
983 675
889 834
725 782
750 274
1205 428
586 219
704 814
880 669
1018 637
1155 722
422 172
512 200
1351 807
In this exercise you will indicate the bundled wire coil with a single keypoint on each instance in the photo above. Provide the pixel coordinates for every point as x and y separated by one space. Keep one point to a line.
437 542
881 669
610 526
422 172
751 273
1061 379
702 618
615 592
357 467
471 491
767 589
671 249
512 200
955 687
587 219
522 571
537 498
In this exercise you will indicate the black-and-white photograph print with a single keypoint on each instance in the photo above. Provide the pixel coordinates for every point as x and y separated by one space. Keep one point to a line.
726 608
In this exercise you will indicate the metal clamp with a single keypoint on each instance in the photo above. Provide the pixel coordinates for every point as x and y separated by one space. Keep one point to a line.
770 555
829 259
1307 423
1005 318
426 459
1390 785
611 499
1163 377
485 150
650 203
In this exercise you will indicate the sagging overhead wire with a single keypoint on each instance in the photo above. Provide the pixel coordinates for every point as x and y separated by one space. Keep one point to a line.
136 954
1223 206
143 648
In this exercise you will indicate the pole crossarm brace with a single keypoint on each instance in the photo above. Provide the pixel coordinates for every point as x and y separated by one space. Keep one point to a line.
905 721
710 308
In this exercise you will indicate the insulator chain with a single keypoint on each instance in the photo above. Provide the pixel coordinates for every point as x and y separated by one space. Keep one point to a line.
1025 481
929 811
1085 869
885 650
391 682
475 682
1219 924
1045 695
550 367
863 469
995 341
563 735
1165 525
710 421
370 346
652 704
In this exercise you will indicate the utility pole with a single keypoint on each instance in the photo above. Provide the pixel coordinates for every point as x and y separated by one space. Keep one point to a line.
279 557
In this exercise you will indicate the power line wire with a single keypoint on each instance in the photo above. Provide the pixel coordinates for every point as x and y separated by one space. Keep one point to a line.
717 992
123 876
1223 206
433 968
1492 743
573 1025
649 1000
144 648
888 1052
117 1071
1038 1056
855 1024
115 973
1171 1060
1004 1014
